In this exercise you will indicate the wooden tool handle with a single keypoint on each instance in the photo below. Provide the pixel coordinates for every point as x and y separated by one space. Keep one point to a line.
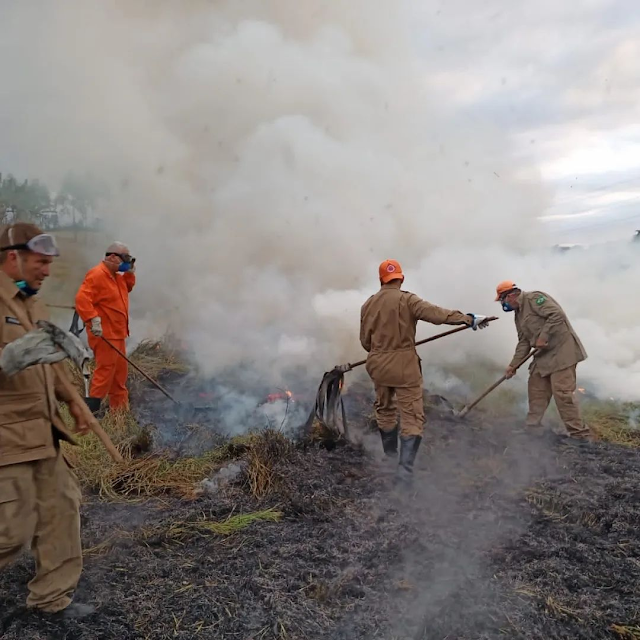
156 384
71 391
444 334
495 385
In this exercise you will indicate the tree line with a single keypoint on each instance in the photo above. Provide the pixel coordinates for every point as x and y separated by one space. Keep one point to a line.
32 201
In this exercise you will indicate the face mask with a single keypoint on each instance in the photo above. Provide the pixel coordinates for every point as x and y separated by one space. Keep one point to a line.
507 307
124 267
26 289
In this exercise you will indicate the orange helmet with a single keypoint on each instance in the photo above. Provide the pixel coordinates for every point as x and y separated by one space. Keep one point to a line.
504 287
390 270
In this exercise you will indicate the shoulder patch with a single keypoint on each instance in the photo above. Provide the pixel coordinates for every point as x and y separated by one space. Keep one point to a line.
540 300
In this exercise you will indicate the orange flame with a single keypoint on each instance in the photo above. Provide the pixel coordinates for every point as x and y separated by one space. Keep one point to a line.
286 395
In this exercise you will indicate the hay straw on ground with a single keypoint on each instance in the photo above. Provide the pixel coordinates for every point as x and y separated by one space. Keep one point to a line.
137 476
269 448
610 422
180 531
145 475
625 632
177 531
154 357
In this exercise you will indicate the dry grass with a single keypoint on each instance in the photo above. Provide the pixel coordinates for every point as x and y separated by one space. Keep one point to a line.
154 357
139 475
612 422
142 475
181 531
625 632
268 450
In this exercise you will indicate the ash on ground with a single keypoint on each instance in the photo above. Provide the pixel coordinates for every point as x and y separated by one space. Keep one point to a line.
210 411
505 535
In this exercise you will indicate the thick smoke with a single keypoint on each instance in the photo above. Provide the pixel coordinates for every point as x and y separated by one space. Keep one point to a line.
264 157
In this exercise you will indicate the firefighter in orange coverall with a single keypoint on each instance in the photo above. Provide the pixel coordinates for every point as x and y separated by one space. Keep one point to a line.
102 302
388 333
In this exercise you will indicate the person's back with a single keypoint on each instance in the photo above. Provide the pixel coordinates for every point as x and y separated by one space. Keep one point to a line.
387 331
388 323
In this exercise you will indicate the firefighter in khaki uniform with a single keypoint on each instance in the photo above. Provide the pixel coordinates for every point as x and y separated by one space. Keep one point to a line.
388 322
542 324
39 495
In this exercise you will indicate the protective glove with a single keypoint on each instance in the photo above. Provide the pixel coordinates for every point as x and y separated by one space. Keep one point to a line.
343 368
35 347
96 326
479 322
71 345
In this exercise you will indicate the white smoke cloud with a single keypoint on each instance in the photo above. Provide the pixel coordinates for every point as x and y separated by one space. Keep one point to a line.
265 156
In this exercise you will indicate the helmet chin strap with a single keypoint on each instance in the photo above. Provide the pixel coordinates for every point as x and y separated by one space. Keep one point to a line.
18 256
23 285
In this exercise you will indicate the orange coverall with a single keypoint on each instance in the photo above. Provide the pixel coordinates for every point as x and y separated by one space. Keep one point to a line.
106 295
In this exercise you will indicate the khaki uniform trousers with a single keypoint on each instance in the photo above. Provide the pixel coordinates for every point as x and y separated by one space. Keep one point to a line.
40 507
409 401
561 386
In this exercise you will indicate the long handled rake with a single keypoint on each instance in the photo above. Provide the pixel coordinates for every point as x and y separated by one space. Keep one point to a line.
329 409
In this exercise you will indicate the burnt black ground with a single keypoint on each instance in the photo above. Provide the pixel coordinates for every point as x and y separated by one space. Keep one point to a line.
505 536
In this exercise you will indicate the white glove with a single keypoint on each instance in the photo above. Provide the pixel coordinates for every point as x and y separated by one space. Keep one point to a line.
35 347
71 345
96 326
343 368
479 322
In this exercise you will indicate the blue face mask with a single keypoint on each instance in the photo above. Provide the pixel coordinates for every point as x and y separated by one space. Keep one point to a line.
507 307
124 267
25 288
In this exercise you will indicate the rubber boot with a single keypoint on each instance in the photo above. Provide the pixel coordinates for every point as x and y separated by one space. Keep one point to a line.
390 442
94 404
409 446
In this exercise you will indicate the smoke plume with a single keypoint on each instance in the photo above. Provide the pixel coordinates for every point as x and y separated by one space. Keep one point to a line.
264 157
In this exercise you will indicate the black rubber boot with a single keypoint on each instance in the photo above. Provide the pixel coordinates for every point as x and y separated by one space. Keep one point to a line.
409 446
94 404
389 442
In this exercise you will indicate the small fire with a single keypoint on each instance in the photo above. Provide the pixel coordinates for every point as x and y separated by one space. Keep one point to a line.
285 394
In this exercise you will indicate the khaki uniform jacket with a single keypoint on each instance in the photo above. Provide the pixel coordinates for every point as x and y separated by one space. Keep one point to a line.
540 316
30 422
388 322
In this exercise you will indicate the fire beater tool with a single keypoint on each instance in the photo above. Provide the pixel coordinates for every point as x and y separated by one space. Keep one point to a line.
77 327
465 410
156 384
329 396
69 388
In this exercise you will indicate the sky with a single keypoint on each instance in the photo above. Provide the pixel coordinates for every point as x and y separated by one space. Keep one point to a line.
564 80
